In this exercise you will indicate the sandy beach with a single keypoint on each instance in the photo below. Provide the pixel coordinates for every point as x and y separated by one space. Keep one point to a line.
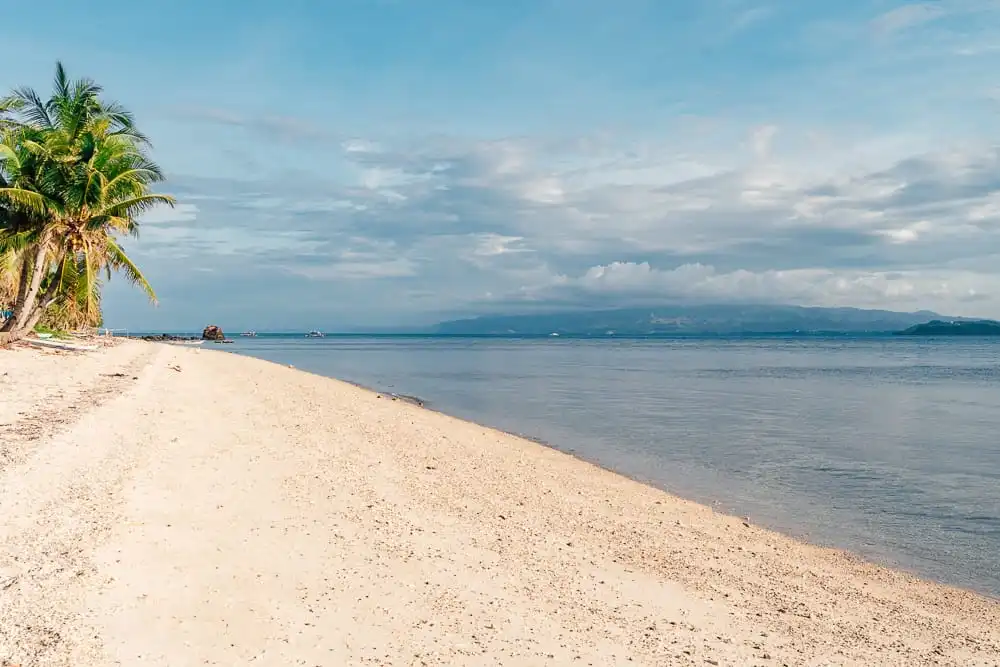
170 506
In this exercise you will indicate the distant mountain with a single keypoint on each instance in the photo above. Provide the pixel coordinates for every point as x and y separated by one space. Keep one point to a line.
960 328
691 320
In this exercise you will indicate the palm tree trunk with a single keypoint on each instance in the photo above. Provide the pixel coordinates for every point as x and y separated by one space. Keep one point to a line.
18 334
27 304
41 306
22 289
29 326
22 281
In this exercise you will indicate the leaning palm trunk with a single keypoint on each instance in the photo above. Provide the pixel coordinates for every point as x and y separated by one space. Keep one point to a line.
32 299
26 301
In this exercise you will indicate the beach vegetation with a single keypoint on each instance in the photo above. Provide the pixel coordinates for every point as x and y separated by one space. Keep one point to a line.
75 177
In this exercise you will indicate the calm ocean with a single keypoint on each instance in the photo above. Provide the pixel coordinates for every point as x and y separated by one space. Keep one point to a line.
889 447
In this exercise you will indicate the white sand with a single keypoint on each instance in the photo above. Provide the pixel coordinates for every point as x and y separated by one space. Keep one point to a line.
236 512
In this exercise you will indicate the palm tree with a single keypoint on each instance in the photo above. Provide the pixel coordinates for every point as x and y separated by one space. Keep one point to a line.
74 178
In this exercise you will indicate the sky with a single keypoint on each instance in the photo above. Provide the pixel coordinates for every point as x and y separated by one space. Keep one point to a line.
368 163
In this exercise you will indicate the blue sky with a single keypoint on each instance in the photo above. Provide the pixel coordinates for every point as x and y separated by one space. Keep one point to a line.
383 162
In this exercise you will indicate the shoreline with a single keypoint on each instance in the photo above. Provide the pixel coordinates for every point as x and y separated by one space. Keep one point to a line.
227 508
423 404
715 506
874 557
420 402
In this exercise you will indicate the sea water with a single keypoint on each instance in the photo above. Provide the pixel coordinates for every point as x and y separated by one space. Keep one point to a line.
886 446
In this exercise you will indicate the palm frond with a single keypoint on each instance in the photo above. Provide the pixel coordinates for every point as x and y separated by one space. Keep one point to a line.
61 83
10 273
129 179
14 243
10 104
135 206
9 155
119 115
133 134
32 108
25 199
118 260
86 299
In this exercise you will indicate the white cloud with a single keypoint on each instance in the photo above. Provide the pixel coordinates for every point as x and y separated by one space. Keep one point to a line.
907 234
907 16
359 146
356 270
165 215
808 287
854 225
987 211
761 140
225 241
495 244
750 17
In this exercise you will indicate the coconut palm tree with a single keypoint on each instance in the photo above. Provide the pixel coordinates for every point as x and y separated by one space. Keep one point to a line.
74 178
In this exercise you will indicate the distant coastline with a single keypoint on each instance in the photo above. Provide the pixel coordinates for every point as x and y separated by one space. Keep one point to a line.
665 321
961 328
695 320
263 336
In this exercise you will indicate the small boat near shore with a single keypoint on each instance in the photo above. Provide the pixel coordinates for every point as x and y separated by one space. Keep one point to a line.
315 334
184 342
249 334
60 345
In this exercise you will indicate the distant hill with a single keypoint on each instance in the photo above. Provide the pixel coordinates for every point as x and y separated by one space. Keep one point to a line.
692 320
959 328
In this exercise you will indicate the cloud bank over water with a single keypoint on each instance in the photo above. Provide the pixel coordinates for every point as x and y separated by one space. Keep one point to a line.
455 226
568 154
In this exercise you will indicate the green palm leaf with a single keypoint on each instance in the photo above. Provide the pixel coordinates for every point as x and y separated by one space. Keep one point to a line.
118 260
135 206
14 243
26 199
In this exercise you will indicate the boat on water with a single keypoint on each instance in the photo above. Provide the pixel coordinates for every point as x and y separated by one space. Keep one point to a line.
315 334
249 334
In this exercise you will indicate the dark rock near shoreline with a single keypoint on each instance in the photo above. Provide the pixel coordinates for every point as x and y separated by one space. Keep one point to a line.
212 332
160 338
406 398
